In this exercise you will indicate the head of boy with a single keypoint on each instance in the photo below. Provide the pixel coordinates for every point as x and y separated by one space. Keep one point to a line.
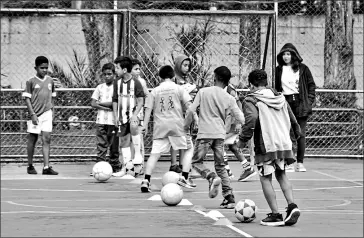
108 73
222 76
123 64
257 78
185 66
136 67
166 72
41 66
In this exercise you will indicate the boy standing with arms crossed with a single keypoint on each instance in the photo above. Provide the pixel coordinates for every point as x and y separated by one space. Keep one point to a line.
105 122
127 100
167 102
215 103
270 119
38 93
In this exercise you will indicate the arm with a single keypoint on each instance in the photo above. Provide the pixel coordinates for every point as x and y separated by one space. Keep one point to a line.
147 113
295 127
236 112
191 111
105 104
311 90
97 105
115 102
251 116
33 116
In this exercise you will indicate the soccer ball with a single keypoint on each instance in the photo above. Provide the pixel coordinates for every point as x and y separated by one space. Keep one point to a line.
170 177
245 210
171 194
138 169
129 168
102 171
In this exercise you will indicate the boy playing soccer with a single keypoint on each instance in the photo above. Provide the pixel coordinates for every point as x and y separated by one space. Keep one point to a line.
105 122
215 103
270 119
127 100
167 102
38 93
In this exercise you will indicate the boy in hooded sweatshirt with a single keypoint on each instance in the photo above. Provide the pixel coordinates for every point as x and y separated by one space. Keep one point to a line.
269 117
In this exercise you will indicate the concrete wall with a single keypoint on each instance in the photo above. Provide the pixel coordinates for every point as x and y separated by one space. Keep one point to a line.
23 38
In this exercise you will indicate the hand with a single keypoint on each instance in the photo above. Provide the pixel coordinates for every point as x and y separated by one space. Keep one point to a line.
134 120
237 129
34 119
241 144
144 130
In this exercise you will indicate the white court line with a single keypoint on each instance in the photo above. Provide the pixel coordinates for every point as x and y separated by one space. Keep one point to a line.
337 178
230 226
90 211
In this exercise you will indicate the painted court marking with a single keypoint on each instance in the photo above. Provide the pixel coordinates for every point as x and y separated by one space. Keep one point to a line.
337 178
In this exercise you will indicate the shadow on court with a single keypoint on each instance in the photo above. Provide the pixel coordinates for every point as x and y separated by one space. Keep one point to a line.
329 194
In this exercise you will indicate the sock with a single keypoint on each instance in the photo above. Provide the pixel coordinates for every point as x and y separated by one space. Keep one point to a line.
138 159
147 177
126 154
246 165
45 167
185 175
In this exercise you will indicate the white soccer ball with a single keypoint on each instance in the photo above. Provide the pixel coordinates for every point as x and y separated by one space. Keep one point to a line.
170 177
129 168
102 171
245 210
171 194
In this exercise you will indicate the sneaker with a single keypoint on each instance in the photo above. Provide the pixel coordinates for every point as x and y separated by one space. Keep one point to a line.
145 186
192 184
183 182
273 219
289 168
91 174
229 202
214 184
175 168
120 173
293 213
31 170
231 175
300 167
247 174
49 171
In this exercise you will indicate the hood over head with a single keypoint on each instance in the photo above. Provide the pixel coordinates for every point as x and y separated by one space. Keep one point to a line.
177 67
270 98
291 48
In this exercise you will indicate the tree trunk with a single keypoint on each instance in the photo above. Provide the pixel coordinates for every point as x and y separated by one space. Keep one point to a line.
339 49
98 31
250 42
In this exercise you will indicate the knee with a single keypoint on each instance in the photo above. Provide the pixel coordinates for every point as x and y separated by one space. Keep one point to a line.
46 139
134 129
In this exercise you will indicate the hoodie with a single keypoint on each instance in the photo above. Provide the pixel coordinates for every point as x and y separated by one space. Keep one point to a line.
184 79
306 84
269 118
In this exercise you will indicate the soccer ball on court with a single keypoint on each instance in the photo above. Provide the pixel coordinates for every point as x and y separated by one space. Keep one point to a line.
102 171
138 169
129 168
171 194
170 177
245 210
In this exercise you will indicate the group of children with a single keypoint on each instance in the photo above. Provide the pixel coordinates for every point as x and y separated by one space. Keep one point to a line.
264 116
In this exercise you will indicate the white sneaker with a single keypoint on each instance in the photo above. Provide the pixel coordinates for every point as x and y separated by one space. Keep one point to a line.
290 168
300 167
138 159
121 173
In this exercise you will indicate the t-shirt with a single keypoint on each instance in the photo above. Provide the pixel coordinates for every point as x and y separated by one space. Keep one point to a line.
230 123
167 101
125 94
146 92
40 91
215 104
103 93
290 80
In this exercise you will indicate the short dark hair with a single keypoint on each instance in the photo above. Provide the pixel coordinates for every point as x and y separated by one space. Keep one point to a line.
258 77
107 66
135 62
124 62
41 60
166 72
223 74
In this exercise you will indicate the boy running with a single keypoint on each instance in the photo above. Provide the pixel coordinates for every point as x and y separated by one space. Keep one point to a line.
38 94
105 121
214 103
128 97
270 119
167 102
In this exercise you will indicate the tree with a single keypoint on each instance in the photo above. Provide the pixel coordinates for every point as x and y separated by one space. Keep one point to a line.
339 49
98 30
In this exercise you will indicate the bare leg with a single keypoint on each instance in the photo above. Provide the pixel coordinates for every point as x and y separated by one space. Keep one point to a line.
286 186
32 140
269 192
46 138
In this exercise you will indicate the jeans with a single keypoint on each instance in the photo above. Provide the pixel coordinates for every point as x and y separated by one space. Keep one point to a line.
301 143
217 146
106 138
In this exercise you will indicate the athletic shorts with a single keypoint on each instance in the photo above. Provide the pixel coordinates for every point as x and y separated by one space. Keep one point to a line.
230 138
270 167
164 145
45 122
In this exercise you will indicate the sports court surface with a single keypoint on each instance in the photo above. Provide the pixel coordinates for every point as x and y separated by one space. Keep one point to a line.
330 196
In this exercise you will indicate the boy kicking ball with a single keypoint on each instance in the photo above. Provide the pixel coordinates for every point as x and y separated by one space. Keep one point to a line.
270 119
167 102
